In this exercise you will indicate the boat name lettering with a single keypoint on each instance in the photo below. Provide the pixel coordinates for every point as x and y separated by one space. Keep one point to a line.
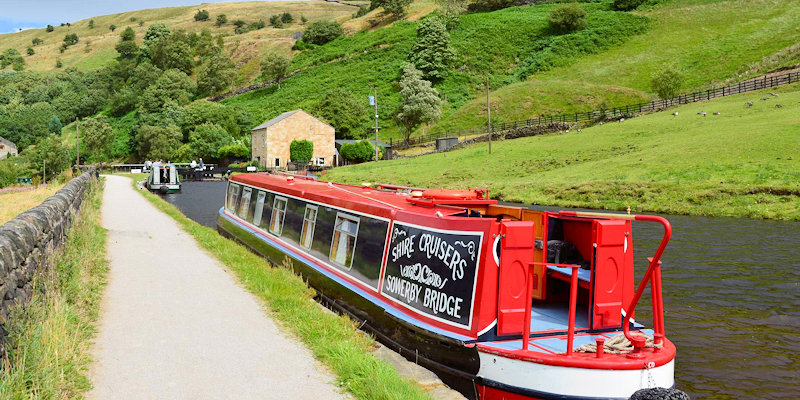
422 274
403 249
434 245
406 290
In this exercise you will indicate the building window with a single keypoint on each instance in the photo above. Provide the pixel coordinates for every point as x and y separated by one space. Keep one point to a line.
320 160
277 162
233 196
309 223
245 203
343 245
278 212
259 208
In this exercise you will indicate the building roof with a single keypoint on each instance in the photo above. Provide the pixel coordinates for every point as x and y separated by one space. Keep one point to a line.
275 120
7 142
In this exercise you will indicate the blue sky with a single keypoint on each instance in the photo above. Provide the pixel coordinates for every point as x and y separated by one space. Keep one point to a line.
15 14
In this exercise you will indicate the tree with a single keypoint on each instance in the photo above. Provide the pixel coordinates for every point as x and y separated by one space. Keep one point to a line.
322 32
126 50
71 39
37 41
55 125
112 27
202 15
128 35
97 139
206 140
303 19
217 74
171 53
275 21
397 8
10 57
626 5
172 85
159 143
222 19
50 152
567 18
156 32
238 24
91 24
432 53
30 51
301 150
667 82
451 10
346 112
287 18
234 151
359 151
49 28
420 102
274 66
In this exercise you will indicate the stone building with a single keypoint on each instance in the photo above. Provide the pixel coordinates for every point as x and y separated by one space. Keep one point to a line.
270 141
7 148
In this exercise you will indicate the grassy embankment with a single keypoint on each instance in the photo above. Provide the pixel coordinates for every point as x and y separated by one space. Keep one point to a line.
710 41
49 340
96 47
13 203
741 163
501 44
334 340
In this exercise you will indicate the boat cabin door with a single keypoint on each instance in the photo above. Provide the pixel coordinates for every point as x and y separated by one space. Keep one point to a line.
516 253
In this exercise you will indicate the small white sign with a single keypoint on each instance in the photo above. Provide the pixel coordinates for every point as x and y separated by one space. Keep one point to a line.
372 100
136 171
251 169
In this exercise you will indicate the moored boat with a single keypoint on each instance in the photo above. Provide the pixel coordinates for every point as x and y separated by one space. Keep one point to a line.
502 302
163 178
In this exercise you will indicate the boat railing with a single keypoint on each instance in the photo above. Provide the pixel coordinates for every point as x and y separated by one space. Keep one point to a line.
573 299
652 276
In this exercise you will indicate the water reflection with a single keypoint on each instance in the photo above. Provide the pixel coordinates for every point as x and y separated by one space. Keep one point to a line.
731 293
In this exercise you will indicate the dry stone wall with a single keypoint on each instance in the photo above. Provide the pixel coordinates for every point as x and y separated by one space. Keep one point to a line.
26 241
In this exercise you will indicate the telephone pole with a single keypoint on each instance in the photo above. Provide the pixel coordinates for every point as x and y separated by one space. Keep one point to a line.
44 172
375 102
489 114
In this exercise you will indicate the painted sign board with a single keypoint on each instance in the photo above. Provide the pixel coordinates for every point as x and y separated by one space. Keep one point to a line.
433 271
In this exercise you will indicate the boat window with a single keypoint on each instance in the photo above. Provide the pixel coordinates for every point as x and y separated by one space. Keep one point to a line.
278 212
259 208
309 222
343 245
245 203
233 196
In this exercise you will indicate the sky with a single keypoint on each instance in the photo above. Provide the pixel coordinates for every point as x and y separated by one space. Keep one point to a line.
16 14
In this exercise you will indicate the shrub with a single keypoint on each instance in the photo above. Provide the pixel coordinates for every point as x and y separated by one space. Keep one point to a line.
222 19
567 18
490 5
626 5
275 21
303 19
667 82
30 51
287 18
397 8
236 151
37 41
345 111
59 64
274 67
323 32
112 27
358 152
91 24
50 28
362 11
202 15
301 150
71 39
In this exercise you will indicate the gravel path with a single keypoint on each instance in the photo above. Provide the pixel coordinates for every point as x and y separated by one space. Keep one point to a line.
175 325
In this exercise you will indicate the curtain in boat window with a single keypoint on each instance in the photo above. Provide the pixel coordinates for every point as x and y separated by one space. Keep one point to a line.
245 203
278 212
259 210
309 222
233 196
345 232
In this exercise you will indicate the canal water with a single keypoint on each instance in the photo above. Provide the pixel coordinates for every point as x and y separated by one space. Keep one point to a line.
731 294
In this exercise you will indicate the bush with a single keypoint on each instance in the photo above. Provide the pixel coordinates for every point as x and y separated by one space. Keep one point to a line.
301 150
358 152
626 5
490 5
667 82
50 28
71 39
323 32
202 15
345 111
362 11
567 18
236 151
222 19
287 18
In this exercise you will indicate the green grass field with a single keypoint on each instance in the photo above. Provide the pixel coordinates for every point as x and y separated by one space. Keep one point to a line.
738 163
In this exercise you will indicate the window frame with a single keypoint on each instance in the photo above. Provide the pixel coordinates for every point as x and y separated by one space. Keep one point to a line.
242 210
283 214
312 223
238 191
351 218
261 197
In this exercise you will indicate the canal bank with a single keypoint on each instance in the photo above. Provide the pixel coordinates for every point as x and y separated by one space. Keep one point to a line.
730 292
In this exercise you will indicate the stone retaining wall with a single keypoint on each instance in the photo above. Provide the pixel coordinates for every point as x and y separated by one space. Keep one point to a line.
27 240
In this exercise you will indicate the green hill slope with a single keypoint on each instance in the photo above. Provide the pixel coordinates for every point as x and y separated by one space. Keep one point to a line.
738 163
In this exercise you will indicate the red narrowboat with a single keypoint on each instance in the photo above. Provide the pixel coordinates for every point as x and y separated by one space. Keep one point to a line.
502 302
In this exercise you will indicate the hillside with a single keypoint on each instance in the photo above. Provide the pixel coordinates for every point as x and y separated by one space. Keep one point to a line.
732 164
96 46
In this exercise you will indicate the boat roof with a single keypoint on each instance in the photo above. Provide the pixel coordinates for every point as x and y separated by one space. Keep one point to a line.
385 203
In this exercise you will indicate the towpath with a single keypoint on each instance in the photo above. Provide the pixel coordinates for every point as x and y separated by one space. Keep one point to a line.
175 325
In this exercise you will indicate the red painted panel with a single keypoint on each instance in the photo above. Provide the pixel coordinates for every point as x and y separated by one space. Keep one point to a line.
609 273
490 393
516 255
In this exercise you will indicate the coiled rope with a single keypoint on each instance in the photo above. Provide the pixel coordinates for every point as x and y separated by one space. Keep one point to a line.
618 344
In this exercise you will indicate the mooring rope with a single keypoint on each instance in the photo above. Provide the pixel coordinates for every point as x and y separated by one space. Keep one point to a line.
618 344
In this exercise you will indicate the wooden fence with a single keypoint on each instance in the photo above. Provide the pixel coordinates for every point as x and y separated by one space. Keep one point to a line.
760 83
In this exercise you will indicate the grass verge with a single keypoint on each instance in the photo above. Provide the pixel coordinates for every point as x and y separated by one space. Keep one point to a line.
335 340
49 339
